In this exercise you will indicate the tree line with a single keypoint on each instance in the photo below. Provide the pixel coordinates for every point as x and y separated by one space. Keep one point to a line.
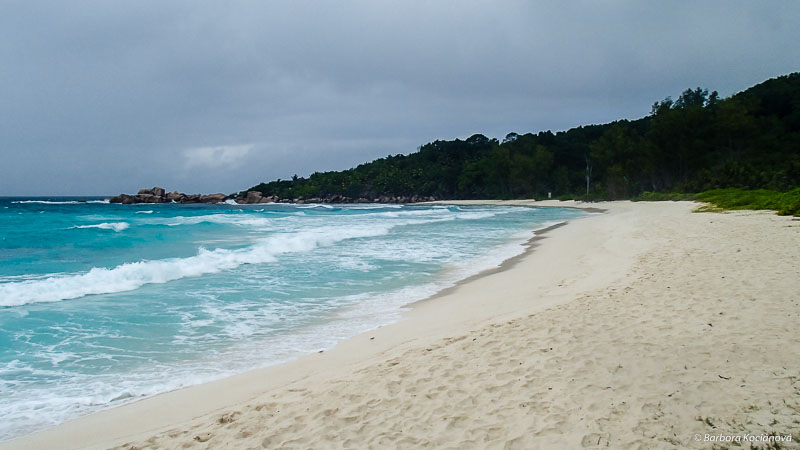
694 143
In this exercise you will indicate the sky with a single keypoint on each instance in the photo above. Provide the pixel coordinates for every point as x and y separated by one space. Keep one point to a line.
108 96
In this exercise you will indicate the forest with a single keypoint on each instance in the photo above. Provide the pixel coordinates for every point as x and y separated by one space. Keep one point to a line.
695 143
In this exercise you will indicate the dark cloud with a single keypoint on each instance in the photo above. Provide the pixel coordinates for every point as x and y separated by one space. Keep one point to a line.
101 97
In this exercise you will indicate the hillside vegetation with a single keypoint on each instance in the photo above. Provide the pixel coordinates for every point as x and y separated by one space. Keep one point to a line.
695 143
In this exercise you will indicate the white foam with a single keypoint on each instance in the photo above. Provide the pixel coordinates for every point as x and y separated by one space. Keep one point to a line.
149 211
354 263
69 202
46 202
315 205
130 276
478 215
483 213
228 219
116 226
28 276
373 206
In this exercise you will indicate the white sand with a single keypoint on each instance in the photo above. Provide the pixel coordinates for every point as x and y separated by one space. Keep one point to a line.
639 328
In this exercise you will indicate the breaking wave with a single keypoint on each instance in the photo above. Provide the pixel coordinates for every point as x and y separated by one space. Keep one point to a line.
130 276
68 202
116 226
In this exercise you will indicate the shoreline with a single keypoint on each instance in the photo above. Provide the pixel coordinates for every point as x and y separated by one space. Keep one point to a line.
506 264
570 265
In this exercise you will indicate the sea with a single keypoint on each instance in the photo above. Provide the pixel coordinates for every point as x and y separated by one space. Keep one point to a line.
104 304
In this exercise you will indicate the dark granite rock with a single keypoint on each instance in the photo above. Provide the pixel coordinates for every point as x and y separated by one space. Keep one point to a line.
148 198
213 198
254 197
191 198
124 199
175 196
159 195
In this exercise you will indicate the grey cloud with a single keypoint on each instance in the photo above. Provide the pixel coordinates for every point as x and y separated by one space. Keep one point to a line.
118 92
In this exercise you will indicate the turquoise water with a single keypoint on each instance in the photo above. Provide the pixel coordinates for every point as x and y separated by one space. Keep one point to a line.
104 304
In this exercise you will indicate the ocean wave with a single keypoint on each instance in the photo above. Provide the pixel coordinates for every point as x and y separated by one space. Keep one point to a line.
444 213
315 205
477 215
374 206
224 219
131 276
116 226
410 213
28 277
67 202
149 211
47 202
267 221
33 408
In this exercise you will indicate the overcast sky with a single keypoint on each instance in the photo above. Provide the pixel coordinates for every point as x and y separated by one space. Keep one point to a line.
102 97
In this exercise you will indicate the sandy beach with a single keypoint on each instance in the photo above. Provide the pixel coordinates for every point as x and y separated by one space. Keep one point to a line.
647 326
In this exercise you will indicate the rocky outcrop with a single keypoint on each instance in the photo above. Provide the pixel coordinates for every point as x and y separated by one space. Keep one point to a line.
156 192
253 197
213 198
159 195
125 199
174 196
